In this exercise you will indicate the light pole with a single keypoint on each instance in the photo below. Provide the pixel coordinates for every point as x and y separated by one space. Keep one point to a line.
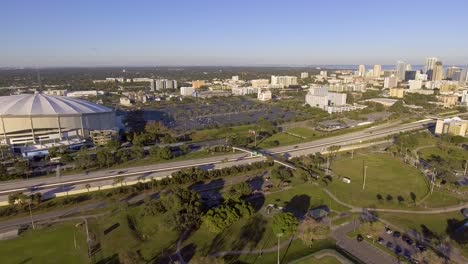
30 215
279 235
365 175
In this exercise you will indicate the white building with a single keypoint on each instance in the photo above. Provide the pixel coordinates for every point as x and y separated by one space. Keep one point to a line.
55 92
187 91
323 73
304 75
264 95
244 90
142 80
464 97
377 70
235 78
321 98
400 70
163 84
285 81
84 93
430 63
125 101
390 82
415 84
260 82
361 70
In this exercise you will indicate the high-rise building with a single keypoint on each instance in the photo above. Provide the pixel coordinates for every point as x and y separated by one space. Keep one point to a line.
304 75
323 73
390 82
410 75
377 70
464 75
451 72
285 81
400 70
438 72
198 83
408 67
430 62
362 70
321 98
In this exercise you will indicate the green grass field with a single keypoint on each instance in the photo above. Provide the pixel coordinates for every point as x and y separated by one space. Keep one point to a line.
322 260
455 156
313 195
441 199
386 176
436 223
217 133
52 245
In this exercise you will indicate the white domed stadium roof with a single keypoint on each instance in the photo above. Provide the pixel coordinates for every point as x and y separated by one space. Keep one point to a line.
41 104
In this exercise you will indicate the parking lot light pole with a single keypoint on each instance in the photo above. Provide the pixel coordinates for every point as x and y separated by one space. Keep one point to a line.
365 175
279 235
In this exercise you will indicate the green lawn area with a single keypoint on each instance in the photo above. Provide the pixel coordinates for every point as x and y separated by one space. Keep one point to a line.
51 245
385 176
455 156
440 199
436 223
299 195
123 238
322 260
282 139
305 132
217 133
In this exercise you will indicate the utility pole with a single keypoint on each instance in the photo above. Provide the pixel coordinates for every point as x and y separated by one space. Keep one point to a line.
433 180
466 165
365 175
30 215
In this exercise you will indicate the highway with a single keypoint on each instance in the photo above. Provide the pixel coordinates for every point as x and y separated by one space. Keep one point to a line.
50 185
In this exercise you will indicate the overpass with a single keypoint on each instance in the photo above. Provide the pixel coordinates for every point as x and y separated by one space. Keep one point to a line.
254 153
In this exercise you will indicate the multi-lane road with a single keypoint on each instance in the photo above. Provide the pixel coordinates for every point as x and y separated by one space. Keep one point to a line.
50 185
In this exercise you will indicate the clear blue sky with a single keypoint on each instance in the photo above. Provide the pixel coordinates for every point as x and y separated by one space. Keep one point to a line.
206 32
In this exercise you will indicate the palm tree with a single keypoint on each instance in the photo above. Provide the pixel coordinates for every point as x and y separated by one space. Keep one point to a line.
87 186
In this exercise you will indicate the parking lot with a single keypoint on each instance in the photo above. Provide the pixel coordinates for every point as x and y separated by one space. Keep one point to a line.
399 243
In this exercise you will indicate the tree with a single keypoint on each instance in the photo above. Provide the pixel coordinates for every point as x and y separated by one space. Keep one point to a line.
428 256
372 228
88 186
137 152
53 152
113 145
310 230
282 173
219 218
238 191
119 179
128 257
284 223
17 198
36 198
184 208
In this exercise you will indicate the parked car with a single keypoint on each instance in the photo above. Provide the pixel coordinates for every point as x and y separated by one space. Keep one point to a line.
389 244
381 241
398 249
359 237
396 234
388 231
420 246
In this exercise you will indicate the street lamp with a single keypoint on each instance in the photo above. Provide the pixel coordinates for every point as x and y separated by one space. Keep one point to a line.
279 235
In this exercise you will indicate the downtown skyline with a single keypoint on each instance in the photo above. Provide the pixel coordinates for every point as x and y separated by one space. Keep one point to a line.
182 33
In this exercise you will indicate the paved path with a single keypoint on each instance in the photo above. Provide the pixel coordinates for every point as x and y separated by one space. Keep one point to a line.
361 250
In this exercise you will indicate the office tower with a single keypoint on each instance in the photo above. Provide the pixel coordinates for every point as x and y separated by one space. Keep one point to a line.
304 75
377 70
464 75
430 62
400 70
450 72
410 75
362 70
390 82
408 67
438 72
